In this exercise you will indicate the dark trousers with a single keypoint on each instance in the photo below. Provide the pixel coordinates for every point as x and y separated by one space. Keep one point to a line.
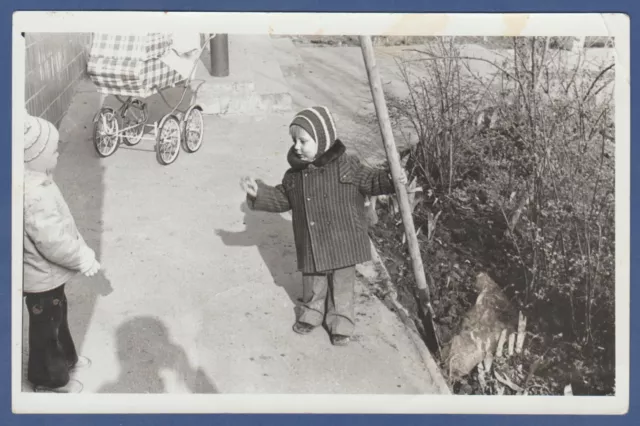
51 349
329 296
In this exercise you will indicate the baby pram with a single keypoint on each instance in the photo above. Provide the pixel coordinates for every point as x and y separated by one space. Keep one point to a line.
134 67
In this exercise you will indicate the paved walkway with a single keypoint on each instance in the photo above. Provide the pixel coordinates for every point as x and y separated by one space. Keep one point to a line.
198 293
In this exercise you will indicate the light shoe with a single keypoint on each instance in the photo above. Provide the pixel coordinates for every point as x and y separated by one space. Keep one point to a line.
340 340
82 363
302 327
73 386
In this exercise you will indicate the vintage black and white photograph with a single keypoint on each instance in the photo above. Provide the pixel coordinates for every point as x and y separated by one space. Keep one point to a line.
360 208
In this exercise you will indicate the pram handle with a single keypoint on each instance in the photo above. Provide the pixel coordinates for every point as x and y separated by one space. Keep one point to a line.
211 37
195 63
188 78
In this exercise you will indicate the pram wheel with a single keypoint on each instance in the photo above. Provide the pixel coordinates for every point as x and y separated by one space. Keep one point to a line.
106 138
134 115
168 140
193 129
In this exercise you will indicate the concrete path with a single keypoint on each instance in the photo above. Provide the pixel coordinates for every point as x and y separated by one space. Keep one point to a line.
198 293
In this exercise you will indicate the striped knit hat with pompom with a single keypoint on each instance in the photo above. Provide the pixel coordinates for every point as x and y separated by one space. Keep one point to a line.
38 134
318 122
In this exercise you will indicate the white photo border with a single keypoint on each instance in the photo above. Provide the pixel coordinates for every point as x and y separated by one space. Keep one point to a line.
574 24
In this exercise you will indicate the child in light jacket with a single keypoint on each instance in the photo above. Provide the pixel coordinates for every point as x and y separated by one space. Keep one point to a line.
54 252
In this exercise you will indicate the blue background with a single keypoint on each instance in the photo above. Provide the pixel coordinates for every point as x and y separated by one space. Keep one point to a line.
7 7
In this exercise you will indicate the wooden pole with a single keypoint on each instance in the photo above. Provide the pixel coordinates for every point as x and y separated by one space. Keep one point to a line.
394 162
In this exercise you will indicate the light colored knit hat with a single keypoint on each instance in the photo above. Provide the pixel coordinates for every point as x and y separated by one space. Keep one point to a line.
38 133
318 122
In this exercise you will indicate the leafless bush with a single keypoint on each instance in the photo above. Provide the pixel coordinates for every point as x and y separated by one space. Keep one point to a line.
532 127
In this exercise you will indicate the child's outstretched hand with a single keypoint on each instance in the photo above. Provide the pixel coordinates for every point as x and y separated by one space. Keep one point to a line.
249 186
93 269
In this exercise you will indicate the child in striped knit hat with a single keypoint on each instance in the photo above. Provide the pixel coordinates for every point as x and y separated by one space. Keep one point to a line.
54 252
325 189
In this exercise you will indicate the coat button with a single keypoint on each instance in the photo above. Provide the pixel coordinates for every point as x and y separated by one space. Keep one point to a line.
308 198
312 223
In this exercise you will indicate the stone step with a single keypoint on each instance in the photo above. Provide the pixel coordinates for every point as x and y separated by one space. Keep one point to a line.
255 85
253 104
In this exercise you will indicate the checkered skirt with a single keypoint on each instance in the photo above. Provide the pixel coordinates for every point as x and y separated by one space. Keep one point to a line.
131 65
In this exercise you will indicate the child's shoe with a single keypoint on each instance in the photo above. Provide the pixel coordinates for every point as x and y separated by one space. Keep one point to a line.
82 363
302 327
73 386
340 340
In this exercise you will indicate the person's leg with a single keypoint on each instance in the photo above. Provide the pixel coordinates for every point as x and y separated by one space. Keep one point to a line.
314 294
64 334
47 366
340 304
47 362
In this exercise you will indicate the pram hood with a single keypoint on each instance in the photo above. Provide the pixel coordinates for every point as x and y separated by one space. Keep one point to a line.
141 64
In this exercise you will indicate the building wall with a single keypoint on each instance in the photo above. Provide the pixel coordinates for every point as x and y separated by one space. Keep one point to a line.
54 63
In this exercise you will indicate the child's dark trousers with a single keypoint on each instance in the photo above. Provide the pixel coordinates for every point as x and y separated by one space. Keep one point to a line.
51 349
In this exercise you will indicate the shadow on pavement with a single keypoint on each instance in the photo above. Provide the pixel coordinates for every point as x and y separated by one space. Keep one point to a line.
273 236
144 350
80 176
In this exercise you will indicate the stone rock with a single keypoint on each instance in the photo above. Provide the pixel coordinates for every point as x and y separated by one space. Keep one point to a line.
480 329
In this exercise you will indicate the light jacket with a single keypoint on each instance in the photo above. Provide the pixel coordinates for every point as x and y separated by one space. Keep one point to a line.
54 250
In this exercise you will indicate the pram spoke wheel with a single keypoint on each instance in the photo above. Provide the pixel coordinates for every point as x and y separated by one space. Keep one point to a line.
135 115
168 140
193 129
106 137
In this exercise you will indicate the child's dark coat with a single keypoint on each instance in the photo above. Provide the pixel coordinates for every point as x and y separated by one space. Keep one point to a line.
327 202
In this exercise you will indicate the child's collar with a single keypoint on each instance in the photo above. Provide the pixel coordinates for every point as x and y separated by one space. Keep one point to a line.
34 178
336 150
